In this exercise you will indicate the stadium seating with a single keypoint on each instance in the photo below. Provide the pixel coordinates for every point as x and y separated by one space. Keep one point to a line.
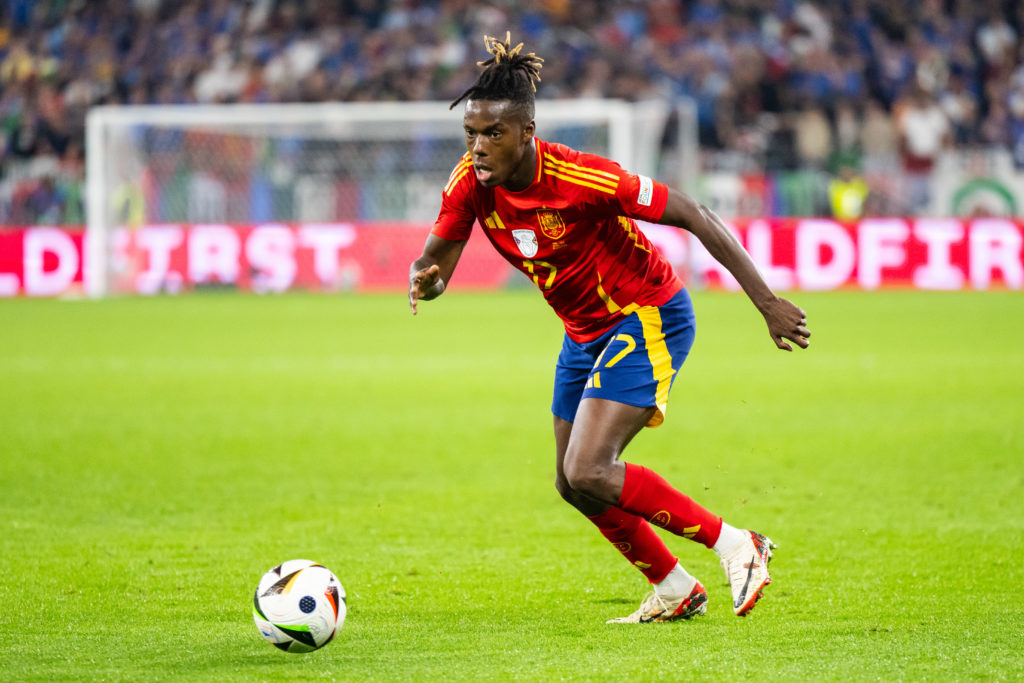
786 92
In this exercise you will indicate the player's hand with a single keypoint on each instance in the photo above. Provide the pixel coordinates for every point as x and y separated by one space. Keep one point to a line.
785 321
420 283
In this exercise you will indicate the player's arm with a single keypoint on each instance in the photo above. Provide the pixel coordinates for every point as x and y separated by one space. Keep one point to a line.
785 320
430 273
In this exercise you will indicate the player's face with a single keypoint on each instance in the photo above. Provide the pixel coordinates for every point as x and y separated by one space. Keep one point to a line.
500 145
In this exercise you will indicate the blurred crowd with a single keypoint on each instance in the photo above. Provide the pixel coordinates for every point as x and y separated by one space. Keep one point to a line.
844 87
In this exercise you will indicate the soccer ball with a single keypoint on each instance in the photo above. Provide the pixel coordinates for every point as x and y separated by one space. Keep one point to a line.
299 605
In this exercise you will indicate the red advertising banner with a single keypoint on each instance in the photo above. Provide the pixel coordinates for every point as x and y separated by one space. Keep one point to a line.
810 254
821 254
40 261
277 257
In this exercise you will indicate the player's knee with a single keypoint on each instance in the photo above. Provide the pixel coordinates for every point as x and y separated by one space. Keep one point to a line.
565 491
586 506
588 480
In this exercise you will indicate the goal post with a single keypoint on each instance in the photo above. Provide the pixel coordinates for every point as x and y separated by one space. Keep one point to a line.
367 164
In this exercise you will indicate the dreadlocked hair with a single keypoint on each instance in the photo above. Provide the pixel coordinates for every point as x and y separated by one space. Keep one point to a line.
507 75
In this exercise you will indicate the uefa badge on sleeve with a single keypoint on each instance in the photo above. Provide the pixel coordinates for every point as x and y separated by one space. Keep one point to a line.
646 193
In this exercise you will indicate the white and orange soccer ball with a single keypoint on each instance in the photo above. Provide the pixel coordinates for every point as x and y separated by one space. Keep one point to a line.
299 606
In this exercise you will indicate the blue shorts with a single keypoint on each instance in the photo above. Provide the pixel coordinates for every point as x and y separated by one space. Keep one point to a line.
634 363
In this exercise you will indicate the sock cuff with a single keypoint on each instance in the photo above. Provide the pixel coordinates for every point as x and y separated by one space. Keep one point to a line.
659 574
633 484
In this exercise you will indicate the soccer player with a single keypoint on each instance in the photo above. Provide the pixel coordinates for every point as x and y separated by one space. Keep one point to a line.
566 220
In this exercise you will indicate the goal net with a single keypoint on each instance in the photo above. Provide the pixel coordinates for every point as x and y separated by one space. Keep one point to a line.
268 197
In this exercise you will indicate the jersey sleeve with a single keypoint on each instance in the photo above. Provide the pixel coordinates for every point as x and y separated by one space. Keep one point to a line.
455 220
635 196
642 197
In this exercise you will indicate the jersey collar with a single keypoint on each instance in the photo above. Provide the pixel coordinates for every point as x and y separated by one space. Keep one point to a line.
540 145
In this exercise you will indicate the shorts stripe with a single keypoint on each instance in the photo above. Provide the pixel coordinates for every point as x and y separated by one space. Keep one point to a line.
661 359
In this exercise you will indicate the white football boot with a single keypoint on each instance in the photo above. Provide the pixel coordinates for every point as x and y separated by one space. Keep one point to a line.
654 608
746 565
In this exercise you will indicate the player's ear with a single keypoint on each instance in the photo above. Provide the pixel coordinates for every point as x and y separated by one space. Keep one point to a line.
528 131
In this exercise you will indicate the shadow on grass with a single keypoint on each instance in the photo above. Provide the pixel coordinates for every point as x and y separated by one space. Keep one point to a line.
613 601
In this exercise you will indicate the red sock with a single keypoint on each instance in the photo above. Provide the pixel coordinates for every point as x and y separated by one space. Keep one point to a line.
634 538
646 494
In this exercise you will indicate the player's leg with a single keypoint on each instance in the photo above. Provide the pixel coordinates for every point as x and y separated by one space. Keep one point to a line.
643 492
677 594
628 389
587 506
593 471
631 535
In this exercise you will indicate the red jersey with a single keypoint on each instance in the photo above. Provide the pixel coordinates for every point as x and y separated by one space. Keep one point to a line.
572 232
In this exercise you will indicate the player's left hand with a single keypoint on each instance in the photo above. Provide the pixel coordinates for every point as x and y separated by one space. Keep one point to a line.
785 321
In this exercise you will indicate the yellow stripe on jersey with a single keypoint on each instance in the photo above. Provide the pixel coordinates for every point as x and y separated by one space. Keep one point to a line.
456 179
610 303
552 171
465 158
582 173
463 162
458 174
610 178
661 359
627 225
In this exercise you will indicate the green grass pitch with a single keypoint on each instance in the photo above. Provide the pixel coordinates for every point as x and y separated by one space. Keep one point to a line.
157 456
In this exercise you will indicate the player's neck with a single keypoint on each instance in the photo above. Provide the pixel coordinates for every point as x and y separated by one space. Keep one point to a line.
525 172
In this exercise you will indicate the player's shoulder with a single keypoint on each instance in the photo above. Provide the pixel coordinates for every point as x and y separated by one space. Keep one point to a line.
556 151
563 164
461 176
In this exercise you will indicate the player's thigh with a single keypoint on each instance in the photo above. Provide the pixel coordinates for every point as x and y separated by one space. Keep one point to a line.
601 433
572 370
585 504
563 430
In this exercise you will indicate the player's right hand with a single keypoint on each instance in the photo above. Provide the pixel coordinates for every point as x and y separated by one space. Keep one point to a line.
421 282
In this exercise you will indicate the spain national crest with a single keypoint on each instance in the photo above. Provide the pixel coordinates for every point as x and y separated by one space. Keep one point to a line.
526 240
551 223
